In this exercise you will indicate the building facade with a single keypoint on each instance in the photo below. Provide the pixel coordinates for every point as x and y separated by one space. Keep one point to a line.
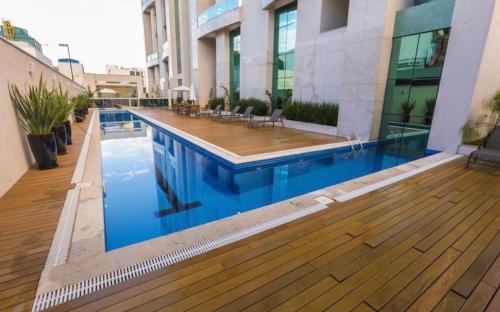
21 38
167 34
118 81
395 67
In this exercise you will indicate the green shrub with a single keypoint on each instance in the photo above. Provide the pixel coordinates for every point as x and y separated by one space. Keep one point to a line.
38 108
323 114
260 107
81 101
213 102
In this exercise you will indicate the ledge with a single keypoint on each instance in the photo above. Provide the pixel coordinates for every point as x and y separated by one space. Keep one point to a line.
225 21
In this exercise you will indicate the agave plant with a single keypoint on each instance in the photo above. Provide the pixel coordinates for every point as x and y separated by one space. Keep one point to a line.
36 108
65 106
38 113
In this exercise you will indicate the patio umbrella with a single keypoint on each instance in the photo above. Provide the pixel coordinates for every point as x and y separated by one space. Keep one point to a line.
182 89
192 95
169 98
107 91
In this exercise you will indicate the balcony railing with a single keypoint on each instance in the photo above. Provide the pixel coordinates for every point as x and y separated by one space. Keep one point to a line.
152 59
146 3
218 9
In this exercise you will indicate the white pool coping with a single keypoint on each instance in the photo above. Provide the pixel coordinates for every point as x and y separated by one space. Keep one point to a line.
68 275
233 157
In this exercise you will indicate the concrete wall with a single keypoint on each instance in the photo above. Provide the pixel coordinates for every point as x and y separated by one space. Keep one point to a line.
471 70
367 50
16 157
222 62
256 50
318 56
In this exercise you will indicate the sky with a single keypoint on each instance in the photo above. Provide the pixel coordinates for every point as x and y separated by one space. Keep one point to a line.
98 32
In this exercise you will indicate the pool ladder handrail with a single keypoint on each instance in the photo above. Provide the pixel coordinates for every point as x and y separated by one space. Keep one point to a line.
353 149
361 146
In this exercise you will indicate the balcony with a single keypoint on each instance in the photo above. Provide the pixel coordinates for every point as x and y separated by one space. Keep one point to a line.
147 3
152 59
219 16
273 4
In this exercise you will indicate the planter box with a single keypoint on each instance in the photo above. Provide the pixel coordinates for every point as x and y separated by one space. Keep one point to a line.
466 149
306 126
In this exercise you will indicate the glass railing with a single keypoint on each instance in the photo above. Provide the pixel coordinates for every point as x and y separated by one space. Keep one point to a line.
218 9
145 3
152 58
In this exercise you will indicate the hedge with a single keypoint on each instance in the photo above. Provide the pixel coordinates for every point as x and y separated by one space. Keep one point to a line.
260 107
213 102
323 114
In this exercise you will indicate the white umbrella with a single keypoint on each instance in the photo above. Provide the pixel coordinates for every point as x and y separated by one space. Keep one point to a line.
182 88
169 98
192 95
107 91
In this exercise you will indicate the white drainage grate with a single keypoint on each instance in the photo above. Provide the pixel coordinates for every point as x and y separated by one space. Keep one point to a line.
62 238
58 296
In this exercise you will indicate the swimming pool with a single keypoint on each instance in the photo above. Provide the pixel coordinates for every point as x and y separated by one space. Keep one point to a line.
157 183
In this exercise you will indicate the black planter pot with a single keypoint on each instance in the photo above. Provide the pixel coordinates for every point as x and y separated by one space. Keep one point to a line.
86 110
79 115
44 148
69 139
61 138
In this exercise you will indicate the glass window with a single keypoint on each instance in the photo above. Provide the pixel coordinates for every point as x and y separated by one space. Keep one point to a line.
412 88
234 72
430 54
284 53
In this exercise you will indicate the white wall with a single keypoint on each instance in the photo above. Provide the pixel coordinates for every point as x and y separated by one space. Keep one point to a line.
256 54
471 70
222 62
16 157
318 56
367 50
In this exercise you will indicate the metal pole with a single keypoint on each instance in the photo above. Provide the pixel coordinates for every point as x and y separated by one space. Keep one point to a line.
70 63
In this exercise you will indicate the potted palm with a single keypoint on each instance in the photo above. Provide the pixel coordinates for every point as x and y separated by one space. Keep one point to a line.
407 107
36 112
430 105
80 103
65 106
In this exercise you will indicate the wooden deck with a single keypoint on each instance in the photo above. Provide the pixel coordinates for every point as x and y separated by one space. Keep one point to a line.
29 213
431 242
238 138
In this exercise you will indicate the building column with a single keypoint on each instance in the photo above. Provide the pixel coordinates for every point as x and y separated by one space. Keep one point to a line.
367 51
222 62
470 73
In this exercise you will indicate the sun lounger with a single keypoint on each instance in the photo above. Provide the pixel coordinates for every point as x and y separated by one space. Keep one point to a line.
274 118
490 151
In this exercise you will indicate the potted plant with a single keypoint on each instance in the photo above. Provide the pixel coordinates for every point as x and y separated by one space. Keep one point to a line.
476 129
36 112
80 102
407 107
430 104
65 106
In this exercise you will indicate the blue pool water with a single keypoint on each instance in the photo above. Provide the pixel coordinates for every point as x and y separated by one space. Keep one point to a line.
157 183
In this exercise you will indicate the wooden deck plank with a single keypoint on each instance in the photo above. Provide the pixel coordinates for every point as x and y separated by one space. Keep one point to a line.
403 246
29 213
438 290
468 281
238 137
